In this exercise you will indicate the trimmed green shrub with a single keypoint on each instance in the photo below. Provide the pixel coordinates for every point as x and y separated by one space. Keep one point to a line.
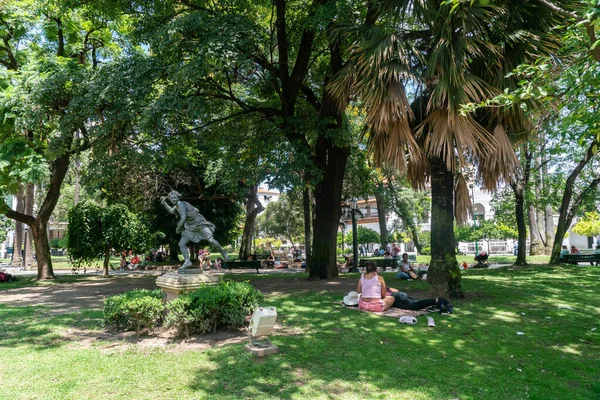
134 309
226 304
145 311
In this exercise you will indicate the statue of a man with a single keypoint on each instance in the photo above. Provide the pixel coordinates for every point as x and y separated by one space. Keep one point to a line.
192 226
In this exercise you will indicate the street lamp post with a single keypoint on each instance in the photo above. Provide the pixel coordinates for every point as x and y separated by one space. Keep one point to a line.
354 207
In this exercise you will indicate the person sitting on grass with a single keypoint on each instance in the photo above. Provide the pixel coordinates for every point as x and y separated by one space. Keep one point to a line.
135 262
405 270
271 259
124 263
374 294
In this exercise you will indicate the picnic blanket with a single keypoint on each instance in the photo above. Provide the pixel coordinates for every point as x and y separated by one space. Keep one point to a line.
394 312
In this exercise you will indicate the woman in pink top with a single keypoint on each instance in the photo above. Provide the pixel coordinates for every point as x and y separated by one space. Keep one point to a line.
372 287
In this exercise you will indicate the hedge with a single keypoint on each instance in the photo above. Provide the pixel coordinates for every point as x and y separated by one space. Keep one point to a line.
204 310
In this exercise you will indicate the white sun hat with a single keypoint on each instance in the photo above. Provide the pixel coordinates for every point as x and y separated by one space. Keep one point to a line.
351 299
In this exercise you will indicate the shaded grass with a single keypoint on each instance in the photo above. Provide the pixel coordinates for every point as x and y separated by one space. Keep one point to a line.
331 352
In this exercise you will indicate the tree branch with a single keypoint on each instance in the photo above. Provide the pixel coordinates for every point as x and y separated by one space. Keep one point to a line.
589 26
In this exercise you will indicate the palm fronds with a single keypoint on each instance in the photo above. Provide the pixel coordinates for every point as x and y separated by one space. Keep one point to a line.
462 200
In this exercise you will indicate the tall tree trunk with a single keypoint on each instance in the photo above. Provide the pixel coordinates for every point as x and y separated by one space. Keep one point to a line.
29 200
174 249
521 225
106 261
307 224
17 257
536 247
539 199
328 210
568 210
381 213
38 225
253 208
444 274
548 214
518 187
328 192
414 232
42 249
77 188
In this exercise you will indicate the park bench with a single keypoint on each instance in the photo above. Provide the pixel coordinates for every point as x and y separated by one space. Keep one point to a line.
263 258
380 263
256 264
577 258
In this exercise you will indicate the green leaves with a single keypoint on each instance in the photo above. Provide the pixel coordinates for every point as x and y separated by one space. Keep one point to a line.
93 230
20 163
589 225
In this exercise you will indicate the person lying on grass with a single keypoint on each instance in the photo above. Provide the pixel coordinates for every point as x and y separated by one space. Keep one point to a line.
405 302
374 296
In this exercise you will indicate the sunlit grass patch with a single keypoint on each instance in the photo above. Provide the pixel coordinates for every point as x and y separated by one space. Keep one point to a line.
329 352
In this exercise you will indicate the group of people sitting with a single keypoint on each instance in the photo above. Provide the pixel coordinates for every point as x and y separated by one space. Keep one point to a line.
564 250
207 263
375 296
134 262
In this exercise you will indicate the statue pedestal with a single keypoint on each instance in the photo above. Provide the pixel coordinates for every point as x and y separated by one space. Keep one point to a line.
174 283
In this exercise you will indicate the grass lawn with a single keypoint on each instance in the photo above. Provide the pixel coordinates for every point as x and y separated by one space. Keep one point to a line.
328 352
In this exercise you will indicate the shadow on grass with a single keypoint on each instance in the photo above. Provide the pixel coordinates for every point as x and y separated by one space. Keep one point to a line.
36 327
512 344
69 294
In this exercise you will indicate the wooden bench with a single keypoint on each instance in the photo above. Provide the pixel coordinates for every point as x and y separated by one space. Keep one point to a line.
577 258
263 258
380 263
243 264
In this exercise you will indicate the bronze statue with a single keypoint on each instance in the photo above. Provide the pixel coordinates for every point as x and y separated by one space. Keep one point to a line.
192 226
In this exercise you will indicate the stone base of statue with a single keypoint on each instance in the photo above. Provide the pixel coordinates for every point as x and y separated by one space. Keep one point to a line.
190 279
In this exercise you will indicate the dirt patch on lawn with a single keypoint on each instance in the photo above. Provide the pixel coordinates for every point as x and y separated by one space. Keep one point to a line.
69 297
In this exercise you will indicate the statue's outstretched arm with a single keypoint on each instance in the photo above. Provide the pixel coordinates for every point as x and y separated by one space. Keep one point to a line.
170 210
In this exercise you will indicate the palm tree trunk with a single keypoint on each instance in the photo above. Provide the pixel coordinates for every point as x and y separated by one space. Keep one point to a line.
444 274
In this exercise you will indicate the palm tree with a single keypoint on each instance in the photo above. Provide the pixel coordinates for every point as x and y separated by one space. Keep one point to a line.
446 55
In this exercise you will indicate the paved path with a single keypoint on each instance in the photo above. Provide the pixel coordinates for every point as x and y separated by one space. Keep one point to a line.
98 272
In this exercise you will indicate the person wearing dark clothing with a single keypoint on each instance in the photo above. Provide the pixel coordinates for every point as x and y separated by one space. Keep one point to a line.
481 259
405 302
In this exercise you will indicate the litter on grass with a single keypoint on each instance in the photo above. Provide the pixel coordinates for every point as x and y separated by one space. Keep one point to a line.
566 307
520 333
